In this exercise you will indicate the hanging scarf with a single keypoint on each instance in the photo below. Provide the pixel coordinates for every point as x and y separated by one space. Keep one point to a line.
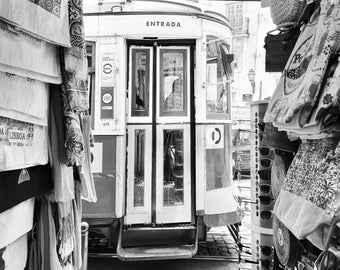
62 174
74 91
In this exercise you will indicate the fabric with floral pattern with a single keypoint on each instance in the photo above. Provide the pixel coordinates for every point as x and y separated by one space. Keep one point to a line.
324 192
305 167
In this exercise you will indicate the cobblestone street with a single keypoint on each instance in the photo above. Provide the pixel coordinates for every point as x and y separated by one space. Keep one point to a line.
219 252
220 243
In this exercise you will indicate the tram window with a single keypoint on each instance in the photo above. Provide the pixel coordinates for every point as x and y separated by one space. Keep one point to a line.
140 82
173 189
139 181
173 82
217 80
216 169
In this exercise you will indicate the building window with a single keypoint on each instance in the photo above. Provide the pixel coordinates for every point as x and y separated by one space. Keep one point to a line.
235 16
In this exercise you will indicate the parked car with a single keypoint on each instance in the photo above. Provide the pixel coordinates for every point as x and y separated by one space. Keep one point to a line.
241 152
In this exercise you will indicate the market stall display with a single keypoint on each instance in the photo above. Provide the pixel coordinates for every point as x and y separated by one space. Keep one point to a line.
44 134
305 105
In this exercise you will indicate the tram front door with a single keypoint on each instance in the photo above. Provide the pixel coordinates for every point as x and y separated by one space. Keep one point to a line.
159 135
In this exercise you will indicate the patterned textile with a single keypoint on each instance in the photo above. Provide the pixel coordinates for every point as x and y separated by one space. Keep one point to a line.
24 99
305 166
299 87
325 118
22 144
74 141
325 190
52 6
27 56
38 17
74 90
309 198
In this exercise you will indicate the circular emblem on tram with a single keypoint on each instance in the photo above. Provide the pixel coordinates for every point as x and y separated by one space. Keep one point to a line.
214 135
107 68
107 98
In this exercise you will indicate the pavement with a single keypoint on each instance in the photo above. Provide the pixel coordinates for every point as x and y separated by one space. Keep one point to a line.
220 242
219 252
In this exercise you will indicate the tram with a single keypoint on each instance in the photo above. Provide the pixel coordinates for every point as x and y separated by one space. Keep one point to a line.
159 77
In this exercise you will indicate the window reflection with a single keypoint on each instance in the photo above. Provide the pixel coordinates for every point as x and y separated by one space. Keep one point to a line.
173 83
216 169
173 168
218 72
139 182
140 82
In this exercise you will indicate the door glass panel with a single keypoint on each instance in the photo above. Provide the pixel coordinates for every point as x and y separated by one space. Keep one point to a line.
140 82
173 82
173 168
139 177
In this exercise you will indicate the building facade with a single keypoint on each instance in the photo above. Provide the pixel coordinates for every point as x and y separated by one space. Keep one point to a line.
250 23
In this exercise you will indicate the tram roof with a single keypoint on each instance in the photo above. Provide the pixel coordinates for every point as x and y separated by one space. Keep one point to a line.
166 7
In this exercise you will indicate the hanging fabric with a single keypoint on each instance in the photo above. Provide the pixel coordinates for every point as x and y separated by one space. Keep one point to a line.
62 174
22 145
299 86
88 191
24 55
74 90
324 120
15 254
17 186
24 99
38 18
308 201
16 221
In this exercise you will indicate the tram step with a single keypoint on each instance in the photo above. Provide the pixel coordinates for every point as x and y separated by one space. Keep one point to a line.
167 248
156 253
151 236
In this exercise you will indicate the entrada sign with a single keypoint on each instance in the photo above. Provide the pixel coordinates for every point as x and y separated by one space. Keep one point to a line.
163 24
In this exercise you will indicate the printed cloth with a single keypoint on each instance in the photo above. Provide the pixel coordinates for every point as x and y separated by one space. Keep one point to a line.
38 17
27 56
24 99
16 221
22 144
299 86
309 198
74 90
19 185
325 118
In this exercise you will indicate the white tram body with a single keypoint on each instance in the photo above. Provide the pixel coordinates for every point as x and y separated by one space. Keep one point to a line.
159 76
